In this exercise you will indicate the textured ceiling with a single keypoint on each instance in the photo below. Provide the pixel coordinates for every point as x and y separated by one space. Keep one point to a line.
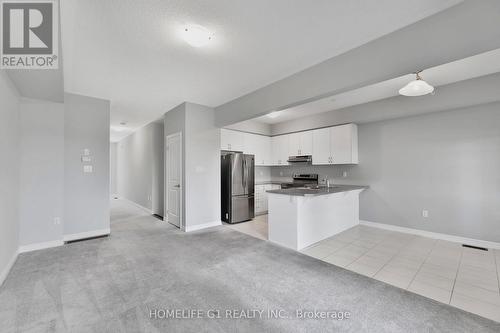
130 52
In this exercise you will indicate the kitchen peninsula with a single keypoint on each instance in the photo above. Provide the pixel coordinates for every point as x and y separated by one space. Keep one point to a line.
299 217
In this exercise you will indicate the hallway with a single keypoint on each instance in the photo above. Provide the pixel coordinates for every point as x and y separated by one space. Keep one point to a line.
111 284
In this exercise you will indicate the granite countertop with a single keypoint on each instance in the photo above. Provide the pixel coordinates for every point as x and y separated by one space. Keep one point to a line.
322 190
265 182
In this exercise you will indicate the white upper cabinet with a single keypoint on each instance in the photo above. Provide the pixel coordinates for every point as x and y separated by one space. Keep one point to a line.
231 140
260 146
332 145
300 143
306 143
336 145
344 144
279 150
321 146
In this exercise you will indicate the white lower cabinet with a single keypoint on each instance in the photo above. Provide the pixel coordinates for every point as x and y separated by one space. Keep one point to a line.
261 197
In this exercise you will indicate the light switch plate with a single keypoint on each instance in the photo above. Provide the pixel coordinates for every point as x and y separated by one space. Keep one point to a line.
86 158
86 152
88 169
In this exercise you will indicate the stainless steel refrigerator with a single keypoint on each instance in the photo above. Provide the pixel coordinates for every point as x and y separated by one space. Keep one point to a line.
237 187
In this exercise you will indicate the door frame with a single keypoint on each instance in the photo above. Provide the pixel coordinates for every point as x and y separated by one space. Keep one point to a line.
165 179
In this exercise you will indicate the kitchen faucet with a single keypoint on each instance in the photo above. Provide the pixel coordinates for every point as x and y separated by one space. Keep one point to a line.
327 182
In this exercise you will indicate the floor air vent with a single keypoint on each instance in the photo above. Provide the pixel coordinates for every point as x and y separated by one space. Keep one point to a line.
475 247
85 239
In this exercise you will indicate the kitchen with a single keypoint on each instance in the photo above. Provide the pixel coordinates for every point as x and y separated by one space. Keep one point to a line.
274 197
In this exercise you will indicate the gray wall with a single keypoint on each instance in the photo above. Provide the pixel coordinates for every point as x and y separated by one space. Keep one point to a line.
201 161
86 196
158 147
202 166
445 162
9 176
41 171
140 167
113 160
252 126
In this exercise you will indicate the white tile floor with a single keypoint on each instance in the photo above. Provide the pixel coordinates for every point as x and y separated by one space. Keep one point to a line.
466 278
256 228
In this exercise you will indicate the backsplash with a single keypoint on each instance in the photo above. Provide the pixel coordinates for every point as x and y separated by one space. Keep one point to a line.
262 173
334 173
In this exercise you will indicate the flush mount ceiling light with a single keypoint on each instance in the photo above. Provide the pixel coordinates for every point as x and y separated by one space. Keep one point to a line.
119 128
274 114
196 35
417 87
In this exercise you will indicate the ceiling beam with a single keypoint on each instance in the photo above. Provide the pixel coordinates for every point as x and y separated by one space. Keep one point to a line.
467 29
458 95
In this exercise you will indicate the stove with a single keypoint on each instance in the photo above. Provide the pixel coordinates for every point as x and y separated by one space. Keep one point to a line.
302 180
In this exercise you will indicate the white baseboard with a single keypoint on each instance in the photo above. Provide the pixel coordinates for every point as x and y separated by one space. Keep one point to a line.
147 210
435 235
6 270
40 246
202 226
87 234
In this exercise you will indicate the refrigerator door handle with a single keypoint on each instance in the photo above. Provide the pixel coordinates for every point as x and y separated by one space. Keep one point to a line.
245 175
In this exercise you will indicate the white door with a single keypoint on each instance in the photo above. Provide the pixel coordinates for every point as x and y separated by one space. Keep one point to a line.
321 146
173 162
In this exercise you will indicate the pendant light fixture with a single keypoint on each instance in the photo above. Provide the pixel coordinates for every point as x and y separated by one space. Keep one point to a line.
417 87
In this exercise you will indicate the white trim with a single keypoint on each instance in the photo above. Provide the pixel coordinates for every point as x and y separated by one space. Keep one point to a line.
87 234
436 235
6 270
147 210
202 226
40 246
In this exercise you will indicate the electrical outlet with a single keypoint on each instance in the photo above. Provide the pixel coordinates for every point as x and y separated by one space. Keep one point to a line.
425 213
344 174
57 220
149 197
